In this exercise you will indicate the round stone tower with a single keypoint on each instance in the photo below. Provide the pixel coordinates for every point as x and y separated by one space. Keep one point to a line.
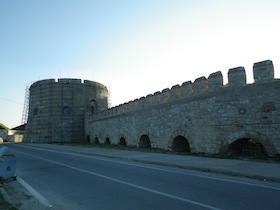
57 108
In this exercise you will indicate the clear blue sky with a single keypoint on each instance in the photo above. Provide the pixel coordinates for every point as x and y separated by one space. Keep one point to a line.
134 47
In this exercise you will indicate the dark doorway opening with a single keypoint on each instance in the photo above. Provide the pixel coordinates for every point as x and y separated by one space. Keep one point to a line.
107 141
144 142
96 140
180 144
88 139
122 141
247 147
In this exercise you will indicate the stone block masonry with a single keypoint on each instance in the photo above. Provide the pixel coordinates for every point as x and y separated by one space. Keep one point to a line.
201 117
57 109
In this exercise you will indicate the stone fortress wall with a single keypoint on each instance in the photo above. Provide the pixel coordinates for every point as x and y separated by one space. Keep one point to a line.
57 108
200 117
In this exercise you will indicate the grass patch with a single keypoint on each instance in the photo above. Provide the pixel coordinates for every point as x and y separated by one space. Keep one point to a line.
5 205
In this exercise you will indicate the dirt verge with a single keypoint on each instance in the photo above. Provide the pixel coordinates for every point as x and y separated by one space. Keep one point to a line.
15 194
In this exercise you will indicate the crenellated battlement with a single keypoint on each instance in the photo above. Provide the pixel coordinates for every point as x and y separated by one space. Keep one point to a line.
215 81
58 81
263 72
44 82
237 76
203 116
68 81
200 85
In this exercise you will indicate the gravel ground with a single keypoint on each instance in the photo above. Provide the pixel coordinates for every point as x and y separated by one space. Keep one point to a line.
17 195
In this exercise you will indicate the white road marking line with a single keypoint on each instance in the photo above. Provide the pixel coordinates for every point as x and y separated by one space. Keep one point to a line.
127 183
155 168
34 192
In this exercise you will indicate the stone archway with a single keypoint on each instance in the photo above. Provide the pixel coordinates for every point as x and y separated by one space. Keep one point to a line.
180 144
122 141
107 141
247 147
88 139
144 141
96 140
249 143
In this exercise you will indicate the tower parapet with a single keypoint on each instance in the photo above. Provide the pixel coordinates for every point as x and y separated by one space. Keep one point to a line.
175 92
215 81
186 89
149 100
236 76
70 81
165 95
156 98
44 82
200 85
263 71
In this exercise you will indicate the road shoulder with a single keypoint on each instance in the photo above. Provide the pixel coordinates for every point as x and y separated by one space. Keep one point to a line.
15 194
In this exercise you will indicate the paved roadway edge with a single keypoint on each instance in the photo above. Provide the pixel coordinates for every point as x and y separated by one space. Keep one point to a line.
201 169
34 192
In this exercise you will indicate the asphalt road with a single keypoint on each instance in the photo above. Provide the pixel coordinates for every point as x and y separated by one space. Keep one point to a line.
82 182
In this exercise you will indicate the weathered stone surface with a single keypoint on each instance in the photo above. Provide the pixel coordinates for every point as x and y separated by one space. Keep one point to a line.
236 76
215 81
205 116
263 71
209 118
56 109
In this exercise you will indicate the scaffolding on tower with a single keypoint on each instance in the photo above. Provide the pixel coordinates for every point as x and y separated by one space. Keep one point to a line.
25 105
